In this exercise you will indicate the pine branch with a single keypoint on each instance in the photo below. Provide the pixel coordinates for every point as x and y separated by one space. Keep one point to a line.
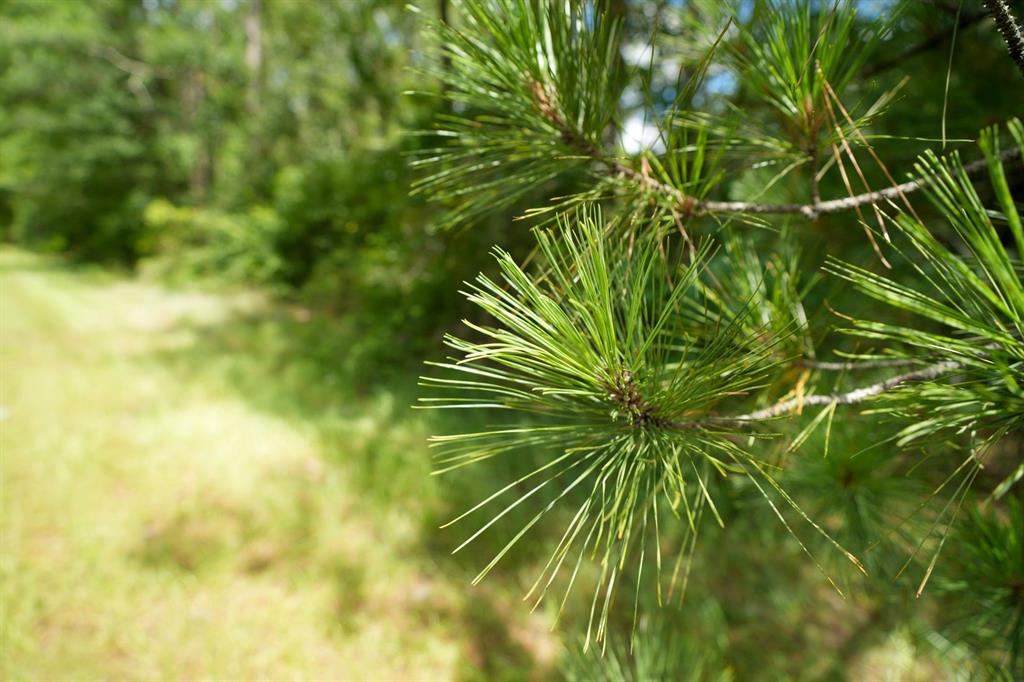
553 129
691 205
854 396
857 395
1009 29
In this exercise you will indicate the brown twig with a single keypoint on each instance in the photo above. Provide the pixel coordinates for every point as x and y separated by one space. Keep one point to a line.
808 210
857 395
850 397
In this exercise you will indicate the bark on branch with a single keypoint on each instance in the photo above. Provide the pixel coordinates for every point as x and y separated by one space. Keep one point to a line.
851 397
1009 29
688 205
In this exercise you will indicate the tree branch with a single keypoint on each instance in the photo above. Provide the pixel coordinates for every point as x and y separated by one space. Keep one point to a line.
857 395
689 205
133 67
1009 29
850 397
837 205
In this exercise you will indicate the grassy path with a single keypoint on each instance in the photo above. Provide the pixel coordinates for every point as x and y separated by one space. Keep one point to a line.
173 506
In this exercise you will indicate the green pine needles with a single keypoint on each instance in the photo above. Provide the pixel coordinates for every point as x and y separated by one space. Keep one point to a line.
985 570
654 364
973 292
548 77
593 357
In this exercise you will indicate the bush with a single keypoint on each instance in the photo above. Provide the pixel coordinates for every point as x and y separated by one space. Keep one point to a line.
194 242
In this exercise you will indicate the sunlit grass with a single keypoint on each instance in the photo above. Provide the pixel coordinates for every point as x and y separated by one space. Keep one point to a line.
188 494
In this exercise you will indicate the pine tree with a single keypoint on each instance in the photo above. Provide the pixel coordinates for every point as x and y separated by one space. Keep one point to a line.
751 315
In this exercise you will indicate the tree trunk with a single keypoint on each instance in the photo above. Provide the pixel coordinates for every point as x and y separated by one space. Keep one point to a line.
254 54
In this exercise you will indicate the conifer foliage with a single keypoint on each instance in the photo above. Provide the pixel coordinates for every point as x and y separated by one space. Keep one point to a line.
659 355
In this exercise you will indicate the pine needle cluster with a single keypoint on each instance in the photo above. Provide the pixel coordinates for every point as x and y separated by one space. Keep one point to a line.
653 354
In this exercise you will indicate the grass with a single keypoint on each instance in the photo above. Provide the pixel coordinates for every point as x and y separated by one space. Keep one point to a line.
192 489
214 486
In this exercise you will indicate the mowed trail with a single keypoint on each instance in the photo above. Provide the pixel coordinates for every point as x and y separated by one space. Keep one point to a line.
156 526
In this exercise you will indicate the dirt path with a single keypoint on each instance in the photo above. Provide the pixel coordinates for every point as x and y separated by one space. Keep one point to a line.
156 525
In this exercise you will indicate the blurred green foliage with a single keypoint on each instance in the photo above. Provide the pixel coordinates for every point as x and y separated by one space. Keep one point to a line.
222 500
236 247
234 142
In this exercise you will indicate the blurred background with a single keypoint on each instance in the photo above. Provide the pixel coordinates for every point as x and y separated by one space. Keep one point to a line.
217 293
